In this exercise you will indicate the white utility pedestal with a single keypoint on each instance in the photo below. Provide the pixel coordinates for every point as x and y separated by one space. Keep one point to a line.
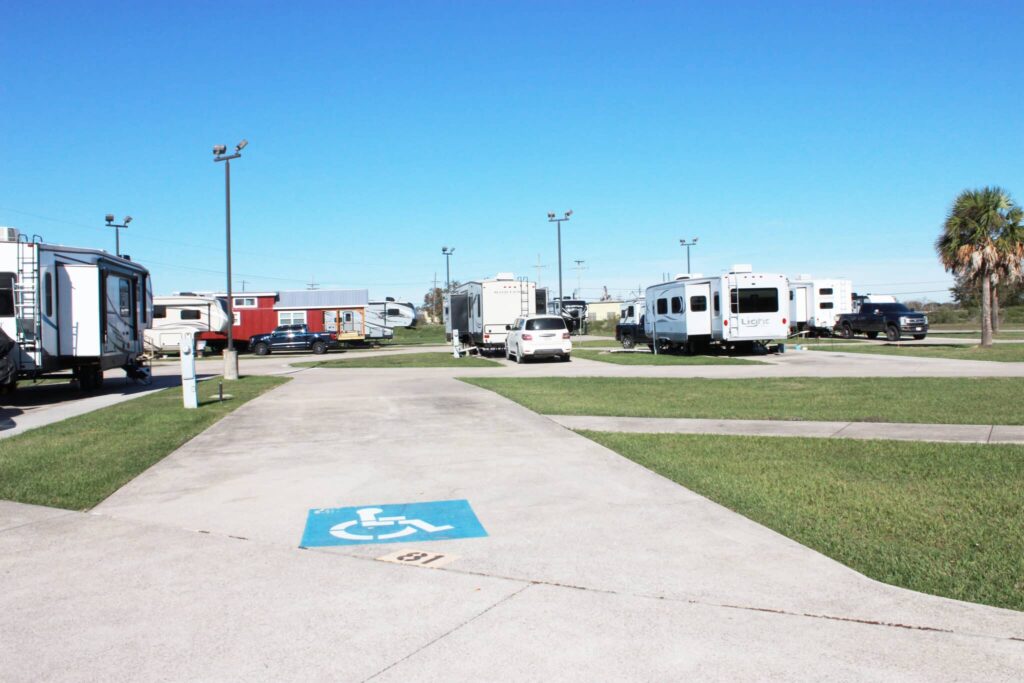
455 343
189 390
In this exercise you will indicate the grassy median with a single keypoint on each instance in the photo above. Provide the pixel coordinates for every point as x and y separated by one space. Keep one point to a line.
1005 353
877 399
78 462
437 359
645 358
946 519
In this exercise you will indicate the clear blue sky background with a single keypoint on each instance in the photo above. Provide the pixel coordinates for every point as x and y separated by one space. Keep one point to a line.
824 138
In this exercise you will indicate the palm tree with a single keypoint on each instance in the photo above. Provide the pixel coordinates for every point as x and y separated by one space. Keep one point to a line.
1010 243
981 240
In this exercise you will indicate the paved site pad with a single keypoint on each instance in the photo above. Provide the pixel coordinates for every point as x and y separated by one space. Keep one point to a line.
899 431
594 567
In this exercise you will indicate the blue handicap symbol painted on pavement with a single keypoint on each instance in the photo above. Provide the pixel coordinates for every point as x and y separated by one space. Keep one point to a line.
435 521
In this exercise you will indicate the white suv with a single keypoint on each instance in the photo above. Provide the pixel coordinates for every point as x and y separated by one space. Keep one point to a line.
539 335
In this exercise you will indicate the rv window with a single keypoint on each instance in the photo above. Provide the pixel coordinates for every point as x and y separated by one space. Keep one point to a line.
190 314
394 311
124 296
825 290
825 304
48 294
545 324
6 294
755 300
662 306
791 295
159 311
698 304
630 312
718 308
677 304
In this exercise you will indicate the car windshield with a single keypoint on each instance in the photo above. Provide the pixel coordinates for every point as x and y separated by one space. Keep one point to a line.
545 324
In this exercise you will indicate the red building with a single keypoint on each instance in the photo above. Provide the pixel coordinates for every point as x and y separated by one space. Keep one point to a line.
320 310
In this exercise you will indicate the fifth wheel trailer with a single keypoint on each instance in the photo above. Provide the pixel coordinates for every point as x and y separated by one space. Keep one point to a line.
184 314
480 310
69 308
816 303
738 309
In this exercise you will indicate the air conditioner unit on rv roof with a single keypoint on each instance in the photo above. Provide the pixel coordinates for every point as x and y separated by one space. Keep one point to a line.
8 234
742 268
505 276
688 276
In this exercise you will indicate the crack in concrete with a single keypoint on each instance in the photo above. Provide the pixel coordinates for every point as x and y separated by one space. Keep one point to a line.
448 632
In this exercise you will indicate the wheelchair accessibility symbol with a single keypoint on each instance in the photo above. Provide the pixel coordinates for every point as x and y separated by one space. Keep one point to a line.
434 521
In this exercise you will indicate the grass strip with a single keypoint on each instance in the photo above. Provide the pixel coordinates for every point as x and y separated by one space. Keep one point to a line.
421 334
435 359
945 519
77 463
940 400
1003 353
643 358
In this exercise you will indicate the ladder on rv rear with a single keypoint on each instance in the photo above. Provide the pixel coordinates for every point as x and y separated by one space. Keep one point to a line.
524 296
26 297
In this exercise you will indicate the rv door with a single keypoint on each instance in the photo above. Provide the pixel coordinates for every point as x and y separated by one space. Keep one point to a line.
121 327
698 305
459 312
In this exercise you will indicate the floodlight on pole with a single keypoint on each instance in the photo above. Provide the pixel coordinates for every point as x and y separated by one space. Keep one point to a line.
689 244
220 154
448 251
117 230
553 218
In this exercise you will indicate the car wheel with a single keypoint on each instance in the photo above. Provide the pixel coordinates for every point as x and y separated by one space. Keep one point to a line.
627 342
261 349
508 354
566 358
847 331
919 336
892 333
319 348
519 355
872 335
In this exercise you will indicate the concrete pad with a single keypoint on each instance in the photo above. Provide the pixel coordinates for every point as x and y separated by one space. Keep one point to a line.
548 633
559 508
89 598
671 425
1007 434
13 515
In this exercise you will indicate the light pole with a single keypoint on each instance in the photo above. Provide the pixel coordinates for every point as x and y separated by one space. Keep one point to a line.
220 154
552 218
117 230
689 244
448 251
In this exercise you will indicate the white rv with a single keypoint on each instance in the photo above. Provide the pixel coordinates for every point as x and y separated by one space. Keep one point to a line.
184 314
740 308
815 303
481 310
391 313
82 310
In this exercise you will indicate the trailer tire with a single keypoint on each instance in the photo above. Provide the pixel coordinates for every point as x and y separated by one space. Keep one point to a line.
892 333
319 348
261 349
627 342
90 378
872 335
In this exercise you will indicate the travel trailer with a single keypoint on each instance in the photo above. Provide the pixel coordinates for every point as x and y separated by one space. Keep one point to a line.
391 313
70 308
629 330
815 303
481 310
738 309
184 314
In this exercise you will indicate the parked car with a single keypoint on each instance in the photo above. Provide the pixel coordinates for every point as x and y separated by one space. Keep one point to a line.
537 336
891 319
293 338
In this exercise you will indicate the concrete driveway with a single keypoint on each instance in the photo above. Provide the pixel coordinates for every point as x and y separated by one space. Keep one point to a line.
594 568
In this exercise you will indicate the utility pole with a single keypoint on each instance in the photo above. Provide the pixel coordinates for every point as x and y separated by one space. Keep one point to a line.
448 251
689 244
579 277
220 154
243 284
117 230
313 284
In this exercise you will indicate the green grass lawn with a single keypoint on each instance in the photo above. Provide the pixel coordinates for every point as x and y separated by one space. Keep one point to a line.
421 334
435 359
977 335
1006 353
77 463
882 399
596 343
946 519
643 358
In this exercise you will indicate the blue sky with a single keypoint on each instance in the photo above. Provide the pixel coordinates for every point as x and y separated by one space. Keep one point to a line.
823 138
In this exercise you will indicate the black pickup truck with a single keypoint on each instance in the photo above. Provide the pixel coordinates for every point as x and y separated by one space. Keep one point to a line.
892 320
293 338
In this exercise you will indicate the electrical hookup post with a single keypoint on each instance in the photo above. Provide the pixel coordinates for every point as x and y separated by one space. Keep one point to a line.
189 391
455 343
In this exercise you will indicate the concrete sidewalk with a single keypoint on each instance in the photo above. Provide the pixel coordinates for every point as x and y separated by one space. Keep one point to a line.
594 567
899 431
